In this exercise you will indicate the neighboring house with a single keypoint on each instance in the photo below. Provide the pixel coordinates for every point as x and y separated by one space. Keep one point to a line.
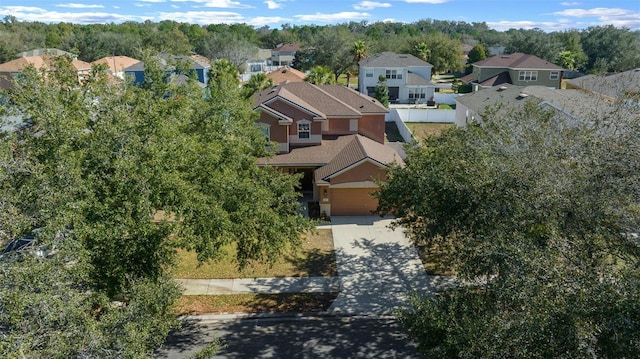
615 86
408 77
516 69
116 64
196 65
46 52
334 137
283 54
284 74
9 70
576 105
257 65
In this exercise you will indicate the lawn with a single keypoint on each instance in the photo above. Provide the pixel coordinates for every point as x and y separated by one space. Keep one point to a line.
315 258
254 303
420 130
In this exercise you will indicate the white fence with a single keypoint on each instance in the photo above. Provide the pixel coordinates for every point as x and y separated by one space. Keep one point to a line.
423 115
405 132
448 98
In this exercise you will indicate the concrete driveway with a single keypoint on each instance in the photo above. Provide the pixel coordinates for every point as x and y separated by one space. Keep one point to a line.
377 267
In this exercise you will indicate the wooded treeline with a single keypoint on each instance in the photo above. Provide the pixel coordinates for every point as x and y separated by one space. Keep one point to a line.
595 49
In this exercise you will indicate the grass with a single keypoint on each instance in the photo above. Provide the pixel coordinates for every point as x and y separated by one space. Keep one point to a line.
316 257
253 303
420 130
434 260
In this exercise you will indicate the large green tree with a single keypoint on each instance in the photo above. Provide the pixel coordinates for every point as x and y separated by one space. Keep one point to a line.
440 50
537 213
615 49
115 177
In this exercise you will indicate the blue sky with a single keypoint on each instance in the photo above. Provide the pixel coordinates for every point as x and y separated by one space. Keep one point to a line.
498 14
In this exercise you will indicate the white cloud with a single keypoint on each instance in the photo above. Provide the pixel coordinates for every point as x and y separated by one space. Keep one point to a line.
153 1
370 5
222 4
426 1
525 24
175 6
570 3
337 17
203 17
389 20
265 20
272 5
605 16
32 13
80 6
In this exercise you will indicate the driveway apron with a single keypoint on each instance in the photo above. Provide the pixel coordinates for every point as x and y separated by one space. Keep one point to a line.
377 266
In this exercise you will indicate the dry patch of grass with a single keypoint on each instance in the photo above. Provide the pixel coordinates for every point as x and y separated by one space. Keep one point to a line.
254 303
421 130
315 258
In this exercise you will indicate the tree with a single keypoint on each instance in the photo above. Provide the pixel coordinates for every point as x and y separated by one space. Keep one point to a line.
331 49
382 91
256 83
618 48
320 75
533 42
441 51
93 167
227 45
359 52
537 213
477 53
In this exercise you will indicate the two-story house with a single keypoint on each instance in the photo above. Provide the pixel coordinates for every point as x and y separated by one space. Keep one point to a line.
283 54
9 70
333 136
517 69
408 77
195 64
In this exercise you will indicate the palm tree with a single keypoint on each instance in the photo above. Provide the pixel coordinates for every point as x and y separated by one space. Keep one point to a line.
422 51
320 75
256 83
359 52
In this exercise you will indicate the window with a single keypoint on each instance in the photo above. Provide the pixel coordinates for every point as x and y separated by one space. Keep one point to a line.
353 124
265 129
304 129
417 93
368 72
393 74
528 76
554 75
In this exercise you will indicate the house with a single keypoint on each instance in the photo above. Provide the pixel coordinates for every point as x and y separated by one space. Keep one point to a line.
614 86
286 73
516 69
258 64
116 64
283 54
576 105
46 52
195 65
408 77
9 70
334 137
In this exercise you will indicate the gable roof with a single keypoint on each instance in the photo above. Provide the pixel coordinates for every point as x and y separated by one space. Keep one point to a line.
324 101
414 79
517 60
286 74
287 47
46 52
116 63
165 62
335 156
19 64
391 59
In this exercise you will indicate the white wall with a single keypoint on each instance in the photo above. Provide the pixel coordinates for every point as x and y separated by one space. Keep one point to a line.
393 116
448 98
424 115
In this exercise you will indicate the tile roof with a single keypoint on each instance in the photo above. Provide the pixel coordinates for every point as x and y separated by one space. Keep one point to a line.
517 60
116 63
333 156
81 65
391 59
286 74
324 101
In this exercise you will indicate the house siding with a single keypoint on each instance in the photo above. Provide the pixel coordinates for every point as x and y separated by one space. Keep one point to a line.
366 171
543 78
372 126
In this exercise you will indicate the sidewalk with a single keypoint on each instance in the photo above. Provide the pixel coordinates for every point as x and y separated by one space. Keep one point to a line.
260 285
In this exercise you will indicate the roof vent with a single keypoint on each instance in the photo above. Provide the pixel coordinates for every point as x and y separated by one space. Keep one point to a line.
403 56
522 95
505 56
502 88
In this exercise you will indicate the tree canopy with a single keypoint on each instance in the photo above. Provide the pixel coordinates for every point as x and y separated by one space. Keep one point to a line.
115 177
537 214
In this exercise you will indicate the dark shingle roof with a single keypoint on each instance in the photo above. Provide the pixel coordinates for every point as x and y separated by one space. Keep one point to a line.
614 86
391 59
417 80
517 60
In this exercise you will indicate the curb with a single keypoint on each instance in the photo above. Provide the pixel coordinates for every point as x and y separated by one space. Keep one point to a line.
283 315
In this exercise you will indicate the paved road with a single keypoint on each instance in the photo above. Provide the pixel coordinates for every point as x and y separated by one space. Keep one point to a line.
292 338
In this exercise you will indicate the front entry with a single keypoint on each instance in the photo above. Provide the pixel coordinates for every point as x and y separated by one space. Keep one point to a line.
306 182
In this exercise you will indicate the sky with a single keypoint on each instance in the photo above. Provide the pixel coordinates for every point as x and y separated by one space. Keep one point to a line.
500 15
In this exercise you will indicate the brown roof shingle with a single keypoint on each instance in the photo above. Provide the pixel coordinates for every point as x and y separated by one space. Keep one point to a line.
517 60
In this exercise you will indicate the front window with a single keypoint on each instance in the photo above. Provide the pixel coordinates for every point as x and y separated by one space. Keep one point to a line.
304 130
554 75
393 74
368 72
528 76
